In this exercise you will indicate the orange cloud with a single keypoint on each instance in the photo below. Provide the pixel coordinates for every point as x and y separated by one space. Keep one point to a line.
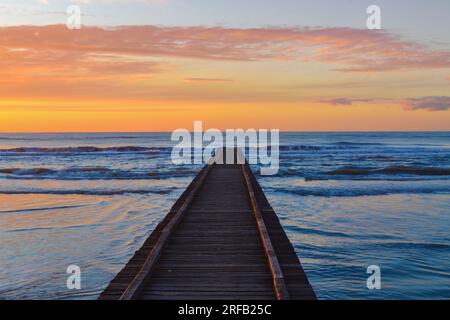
127 78
359 50
203 80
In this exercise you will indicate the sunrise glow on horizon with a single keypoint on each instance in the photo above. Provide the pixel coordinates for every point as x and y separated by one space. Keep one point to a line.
163 64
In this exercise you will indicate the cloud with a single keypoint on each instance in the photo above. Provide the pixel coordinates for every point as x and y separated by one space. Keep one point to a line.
51 61
351 50
19 63
338 101
431 103
158 2
437 103
213 80
350 101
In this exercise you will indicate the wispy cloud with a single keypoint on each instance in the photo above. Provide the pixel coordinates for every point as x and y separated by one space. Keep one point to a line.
431 103
338 101
351 50
213 80
53 61
159 2
439 103
344 101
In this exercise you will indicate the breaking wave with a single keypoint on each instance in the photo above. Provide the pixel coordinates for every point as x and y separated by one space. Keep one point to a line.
438 187
92 173
411 170
85 149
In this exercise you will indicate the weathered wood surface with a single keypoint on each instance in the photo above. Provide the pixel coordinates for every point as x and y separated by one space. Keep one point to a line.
220 240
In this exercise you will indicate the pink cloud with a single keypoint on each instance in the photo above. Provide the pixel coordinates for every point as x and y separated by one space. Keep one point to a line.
352 50
52 60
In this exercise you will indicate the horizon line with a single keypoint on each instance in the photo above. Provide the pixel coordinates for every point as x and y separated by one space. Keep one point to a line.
281 131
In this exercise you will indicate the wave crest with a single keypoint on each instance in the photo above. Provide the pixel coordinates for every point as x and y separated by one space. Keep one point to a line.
92 173
84 149
412 170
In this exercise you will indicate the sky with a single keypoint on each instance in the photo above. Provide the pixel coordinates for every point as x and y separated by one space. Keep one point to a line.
158 65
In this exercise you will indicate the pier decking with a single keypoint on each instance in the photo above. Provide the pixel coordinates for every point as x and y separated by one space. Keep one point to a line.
221 240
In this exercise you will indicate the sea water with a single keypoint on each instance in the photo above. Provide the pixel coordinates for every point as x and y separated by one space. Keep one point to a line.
346 200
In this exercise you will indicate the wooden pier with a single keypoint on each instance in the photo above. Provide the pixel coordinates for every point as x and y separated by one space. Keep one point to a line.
220 241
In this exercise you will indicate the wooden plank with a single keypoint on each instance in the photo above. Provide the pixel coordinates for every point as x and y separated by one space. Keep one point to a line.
138 282
277 274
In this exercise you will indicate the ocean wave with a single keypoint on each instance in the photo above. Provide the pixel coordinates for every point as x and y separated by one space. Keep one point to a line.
411 170
30 171
284 148
313 231
85 149
40 209
361 191
46 229
121 137
94 192
327 233
414 245
349 143
45 171
329 147
343 145
92 173
298 148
